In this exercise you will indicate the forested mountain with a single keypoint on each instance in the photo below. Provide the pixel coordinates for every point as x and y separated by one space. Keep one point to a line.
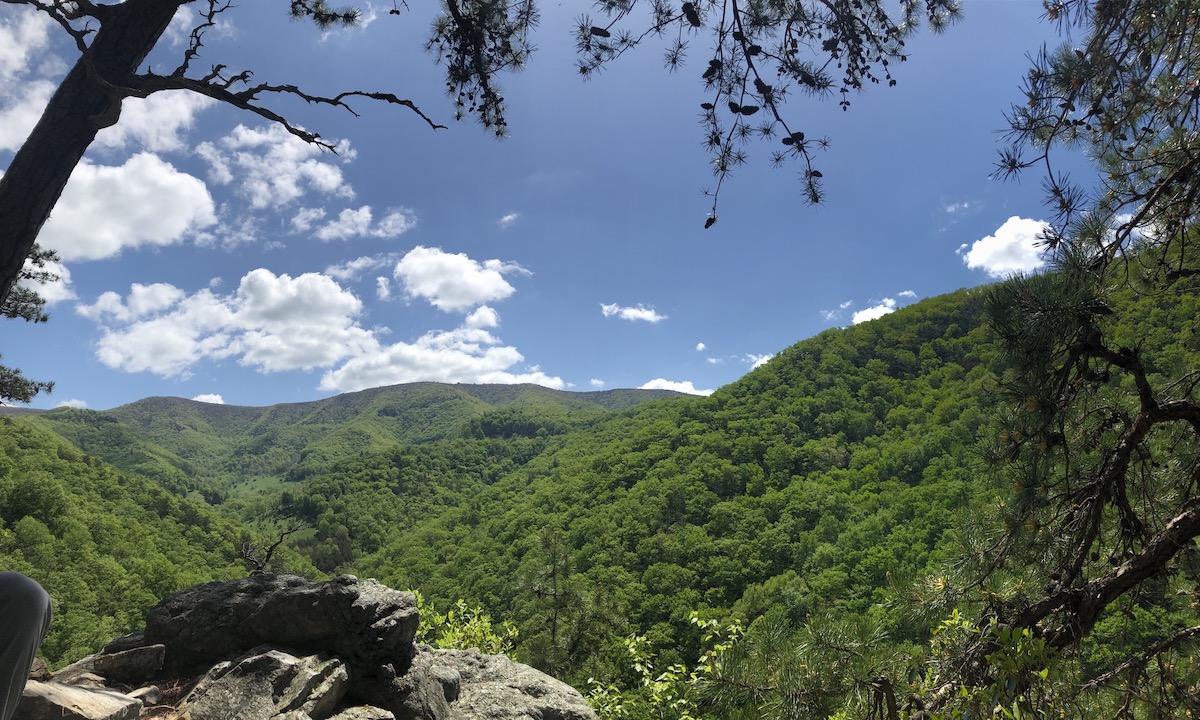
818 480
835 484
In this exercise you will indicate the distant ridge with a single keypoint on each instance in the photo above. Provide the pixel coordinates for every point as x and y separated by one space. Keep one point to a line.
493 393
188 444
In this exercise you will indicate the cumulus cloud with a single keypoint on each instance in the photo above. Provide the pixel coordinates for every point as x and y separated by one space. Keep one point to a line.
211 398
700 347
454 282
77 404
757 361
508 219
271 322
684 387
142 300
462 355
640 312
145 202
1012 249
156 123
484 317
885 306
272 167
360 223
596 383
277 323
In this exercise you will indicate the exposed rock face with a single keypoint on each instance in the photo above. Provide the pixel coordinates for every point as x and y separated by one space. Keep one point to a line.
264 685
363 623
492 686
283 648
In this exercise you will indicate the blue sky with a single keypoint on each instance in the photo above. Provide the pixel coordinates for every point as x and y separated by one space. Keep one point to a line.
208 255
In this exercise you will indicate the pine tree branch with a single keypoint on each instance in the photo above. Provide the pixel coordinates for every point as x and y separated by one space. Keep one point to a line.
217 86
1083 605
1139 662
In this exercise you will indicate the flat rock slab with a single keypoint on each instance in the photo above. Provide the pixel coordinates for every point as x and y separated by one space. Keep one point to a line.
56 701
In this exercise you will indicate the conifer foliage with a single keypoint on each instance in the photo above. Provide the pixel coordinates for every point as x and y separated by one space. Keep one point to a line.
1102 442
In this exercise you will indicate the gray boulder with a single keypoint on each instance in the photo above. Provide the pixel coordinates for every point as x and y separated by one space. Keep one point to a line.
493 687
365 624
124 666
268 685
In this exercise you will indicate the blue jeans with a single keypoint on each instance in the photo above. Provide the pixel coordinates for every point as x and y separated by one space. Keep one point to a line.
24 620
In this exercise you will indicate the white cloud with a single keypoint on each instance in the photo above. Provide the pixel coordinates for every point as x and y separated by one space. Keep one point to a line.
155 123
273 167
358 223
211 398
24 35
353 269
19 115
305 218
831 315
1012 249
454 282
463 355
383 288
78 404
957 207
508 219
684 387
270 322
885 306
641 312
105 209
484 317
700 347
715 361
277 323
596 383
907 294
757 361
143 300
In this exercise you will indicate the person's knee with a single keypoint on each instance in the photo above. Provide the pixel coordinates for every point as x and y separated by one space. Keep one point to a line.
23 600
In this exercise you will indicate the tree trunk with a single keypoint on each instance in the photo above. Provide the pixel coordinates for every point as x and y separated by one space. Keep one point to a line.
80 107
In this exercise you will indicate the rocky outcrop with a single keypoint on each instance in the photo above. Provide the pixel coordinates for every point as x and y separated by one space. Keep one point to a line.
283 648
